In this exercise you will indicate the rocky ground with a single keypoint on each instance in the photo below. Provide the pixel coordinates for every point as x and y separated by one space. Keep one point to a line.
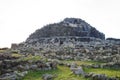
16 66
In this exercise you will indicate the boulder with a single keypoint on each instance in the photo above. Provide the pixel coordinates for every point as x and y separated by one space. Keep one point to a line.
47 77
21 74
88 75
99 77
27 67
33 67
9 76
77 71
73 65
20 67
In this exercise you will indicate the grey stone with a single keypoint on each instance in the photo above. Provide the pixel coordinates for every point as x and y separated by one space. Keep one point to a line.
9 76
73 65
27 67
99 77
88 75
47 77
77 71
21 74
20 67
33 67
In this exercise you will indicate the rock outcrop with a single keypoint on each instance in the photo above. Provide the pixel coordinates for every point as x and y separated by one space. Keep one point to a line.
67 27
113 39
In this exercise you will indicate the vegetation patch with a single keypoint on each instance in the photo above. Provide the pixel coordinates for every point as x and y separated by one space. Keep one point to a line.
83 62
30 57
62 73
108 72
16 55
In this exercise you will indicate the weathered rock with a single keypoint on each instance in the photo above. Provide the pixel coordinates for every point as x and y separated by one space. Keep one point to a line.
95 66
94 76
99 77
27 67
112 79
73 65
9 76
47 77
88 75
20 67
53 65
6 56
14 46
13 75
20 74
33 67
77 71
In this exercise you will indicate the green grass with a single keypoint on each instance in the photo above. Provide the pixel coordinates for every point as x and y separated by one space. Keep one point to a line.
66 74
16 55
63 73
82 62
2 51
33 58
108 72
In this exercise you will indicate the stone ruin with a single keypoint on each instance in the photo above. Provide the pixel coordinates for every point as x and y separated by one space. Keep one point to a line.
73 39
66 40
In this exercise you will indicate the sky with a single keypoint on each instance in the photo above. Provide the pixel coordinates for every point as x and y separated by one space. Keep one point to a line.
20 18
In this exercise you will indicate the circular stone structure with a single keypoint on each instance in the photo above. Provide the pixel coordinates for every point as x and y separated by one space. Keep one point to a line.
68 27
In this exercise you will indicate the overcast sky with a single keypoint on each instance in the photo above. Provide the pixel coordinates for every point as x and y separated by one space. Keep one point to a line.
20 18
